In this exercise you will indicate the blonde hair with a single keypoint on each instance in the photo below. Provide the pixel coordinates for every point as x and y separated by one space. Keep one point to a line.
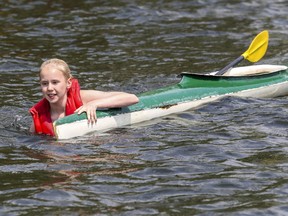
59 65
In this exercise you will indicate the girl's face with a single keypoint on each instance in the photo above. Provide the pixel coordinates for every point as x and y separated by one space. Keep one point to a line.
54 85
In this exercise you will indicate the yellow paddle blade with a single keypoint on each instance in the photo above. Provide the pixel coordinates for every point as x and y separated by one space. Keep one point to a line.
258 47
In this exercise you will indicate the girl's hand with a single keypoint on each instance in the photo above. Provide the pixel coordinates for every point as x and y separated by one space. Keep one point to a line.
90 110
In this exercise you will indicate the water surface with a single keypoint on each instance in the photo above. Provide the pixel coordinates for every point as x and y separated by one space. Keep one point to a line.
226 158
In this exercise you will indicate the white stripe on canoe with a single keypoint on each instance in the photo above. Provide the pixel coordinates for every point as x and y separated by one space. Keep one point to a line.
253 70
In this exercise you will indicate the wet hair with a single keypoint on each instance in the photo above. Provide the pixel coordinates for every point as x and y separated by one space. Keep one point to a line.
59 65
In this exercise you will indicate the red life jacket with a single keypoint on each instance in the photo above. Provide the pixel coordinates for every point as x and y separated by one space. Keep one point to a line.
41 111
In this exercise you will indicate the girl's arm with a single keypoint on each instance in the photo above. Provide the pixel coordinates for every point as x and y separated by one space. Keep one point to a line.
93 99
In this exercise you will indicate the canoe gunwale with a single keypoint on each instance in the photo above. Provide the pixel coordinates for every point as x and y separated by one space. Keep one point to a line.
256 71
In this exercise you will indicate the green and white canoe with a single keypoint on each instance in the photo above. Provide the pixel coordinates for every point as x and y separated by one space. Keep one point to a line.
192 91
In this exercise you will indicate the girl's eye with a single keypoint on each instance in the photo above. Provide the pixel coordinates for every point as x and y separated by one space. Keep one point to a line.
45 83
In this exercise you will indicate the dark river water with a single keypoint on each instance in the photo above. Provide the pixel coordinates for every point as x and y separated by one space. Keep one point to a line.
229 157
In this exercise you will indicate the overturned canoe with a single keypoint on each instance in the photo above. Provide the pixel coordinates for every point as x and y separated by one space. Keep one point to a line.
192 91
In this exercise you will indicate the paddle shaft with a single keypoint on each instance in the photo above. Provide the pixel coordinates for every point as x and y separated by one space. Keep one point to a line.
232 64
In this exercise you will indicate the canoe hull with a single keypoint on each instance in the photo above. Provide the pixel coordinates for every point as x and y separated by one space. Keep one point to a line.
174 99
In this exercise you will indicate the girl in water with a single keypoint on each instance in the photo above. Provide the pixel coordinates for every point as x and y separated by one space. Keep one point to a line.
62 96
